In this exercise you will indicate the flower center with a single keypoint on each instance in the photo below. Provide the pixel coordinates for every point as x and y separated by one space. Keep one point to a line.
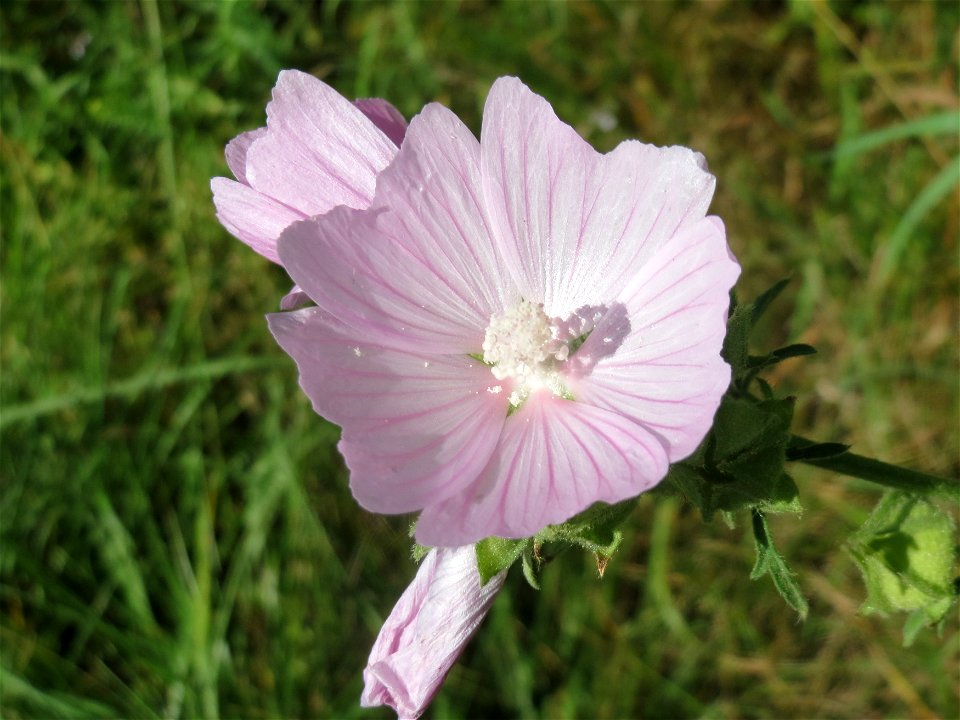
523 344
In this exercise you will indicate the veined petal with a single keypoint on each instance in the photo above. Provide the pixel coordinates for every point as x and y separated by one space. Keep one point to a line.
416 427
555 458
251 216
385 116
668 374
434 194
419 269
575 224
428 628
319 150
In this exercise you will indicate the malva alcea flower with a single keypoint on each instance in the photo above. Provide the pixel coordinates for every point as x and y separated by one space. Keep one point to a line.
514 328
426 631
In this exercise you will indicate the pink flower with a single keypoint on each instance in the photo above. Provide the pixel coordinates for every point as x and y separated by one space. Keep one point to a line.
317 151
515 328
431 623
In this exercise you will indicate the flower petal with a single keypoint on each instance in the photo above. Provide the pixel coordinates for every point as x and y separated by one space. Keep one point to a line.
385 116
236 152
574 224
319 150
428 628
416 427
294 299
251 216
419 270
555 458
668 374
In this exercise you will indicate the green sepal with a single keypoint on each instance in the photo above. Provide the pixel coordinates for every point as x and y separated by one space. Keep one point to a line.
418 552
531 566
771 562
596 529
494 555
906 554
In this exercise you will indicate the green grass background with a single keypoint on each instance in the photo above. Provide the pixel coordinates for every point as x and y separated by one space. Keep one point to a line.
178 536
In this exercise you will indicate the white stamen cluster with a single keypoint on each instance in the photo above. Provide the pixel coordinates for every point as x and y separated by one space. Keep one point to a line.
521 343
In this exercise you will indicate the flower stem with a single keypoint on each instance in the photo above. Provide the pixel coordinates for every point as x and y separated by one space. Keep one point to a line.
876 471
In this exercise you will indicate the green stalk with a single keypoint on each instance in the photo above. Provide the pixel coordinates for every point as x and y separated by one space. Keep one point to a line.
879 472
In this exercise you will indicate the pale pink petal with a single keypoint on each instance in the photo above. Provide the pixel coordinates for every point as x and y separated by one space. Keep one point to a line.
573 224
416 427
428 628
251 216
319 150
236 153
419 269
385 116
668 374
294 299
555 458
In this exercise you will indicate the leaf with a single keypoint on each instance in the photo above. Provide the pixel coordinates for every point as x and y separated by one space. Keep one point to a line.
735 342
742 461
494 555
795 350
800 450
763 301
770 562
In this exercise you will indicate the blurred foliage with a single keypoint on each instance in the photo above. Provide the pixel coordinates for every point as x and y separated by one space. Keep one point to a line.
177 534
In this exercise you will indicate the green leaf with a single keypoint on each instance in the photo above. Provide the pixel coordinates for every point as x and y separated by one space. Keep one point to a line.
742 460
494 555
770 562
799 449
763 301
795 350
735 342
906 553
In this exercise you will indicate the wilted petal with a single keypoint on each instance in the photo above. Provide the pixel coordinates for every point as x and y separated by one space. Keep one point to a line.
428 628
575 224
668 374
416 428
555 458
